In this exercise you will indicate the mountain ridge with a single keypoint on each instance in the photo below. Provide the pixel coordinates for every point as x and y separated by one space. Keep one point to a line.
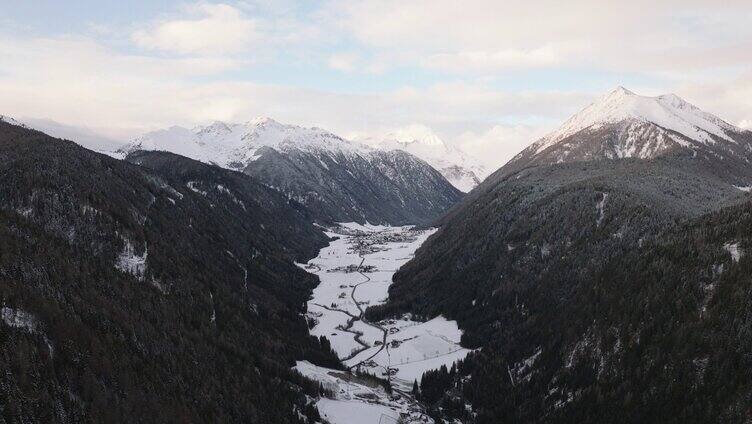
457 167
340 180
233 145
622 124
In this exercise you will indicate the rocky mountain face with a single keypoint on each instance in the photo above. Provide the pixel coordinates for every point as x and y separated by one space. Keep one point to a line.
158 290
457 167
622 124
598 272
337 179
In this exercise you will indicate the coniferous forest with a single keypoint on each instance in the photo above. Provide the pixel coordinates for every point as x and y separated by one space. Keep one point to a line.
640 314
206 331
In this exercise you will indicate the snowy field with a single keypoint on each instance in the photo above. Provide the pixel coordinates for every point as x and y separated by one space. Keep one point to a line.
358 401
356 271
412 349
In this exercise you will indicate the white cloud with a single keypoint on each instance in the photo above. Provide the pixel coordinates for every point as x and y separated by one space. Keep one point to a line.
100 88
209 29
729 98
472 61
93 85
344 62
87 137
642 35
500 143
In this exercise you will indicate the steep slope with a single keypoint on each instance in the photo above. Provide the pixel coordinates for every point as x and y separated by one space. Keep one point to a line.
156 293
456 166
384 187
584 281
622 124
653 330
339 180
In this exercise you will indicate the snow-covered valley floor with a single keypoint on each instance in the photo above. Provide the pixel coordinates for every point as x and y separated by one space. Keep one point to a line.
355 272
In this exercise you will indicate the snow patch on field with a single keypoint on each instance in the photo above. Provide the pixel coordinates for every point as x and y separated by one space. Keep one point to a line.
346 412
18 318
130 262
193 185
734 251
523 370
412 349
600 208
90 210
225 190
25 211
25 321
358 401
213 317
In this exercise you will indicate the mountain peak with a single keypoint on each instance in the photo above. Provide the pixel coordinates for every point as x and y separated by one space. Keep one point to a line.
417 134
672 99
262 121
623 124
667 111
619 92
8 119
463 171
234 145
216 127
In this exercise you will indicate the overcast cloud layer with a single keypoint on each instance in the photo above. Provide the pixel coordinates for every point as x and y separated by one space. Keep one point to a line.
486 76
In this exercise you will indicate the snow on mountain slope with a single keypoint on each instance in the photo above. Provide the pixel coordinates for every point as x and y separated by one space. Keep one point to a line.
623 124
668 111
233 146
8 119
337 179
456 166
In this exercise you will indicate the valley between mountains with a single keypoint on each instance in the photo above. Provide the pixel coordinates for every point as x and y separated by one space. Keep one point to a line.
269 273
356 271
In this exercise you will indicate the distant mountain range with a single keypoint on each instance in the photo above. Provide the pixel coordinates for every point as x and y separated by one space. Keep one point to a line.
457 167
338 179
602 272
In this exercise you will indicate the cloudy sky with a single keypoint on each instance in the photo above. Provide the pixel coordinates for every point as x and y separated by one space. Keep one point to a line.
488 76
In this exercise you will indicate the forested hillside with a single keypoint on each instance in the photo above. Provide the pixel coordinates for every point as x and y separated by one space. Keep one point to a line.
597 292
160 293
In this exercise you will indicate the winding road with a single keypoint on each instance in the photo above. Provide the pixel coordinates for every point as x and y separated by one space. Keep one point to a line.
359 317
362 318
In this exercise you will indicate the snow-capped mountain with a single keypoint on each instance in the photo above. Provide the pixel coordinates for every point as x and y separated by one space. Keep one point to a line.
623 124
234 146
10 120
338 179
457 167
647 209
